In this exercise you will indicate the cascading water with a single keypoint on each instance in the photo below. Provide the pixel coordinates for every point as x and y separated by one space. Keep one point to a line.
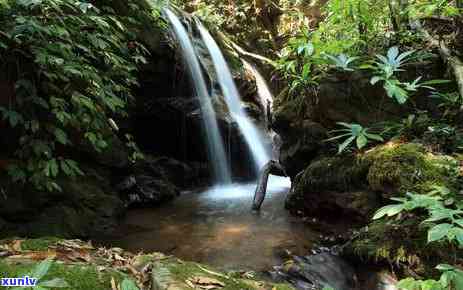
251 134
266 100
263 91
214 141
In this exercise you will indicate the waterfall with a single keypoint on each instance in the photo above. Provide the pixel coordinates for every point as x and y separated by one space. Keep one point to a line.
263 91
251 134
266 99
214 141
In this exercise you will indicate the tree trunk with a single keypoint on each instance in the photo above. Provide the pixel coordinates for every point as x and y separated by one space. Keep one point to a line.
272 167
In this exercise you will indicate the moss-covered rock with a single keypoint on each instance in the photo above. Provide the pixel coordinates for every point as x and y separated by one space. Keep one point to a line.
169 274
333 186
405 167
356 185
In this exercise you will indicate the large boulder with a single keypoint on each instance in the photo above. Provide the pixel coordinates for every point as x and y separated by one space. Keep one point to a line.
355 186
331 187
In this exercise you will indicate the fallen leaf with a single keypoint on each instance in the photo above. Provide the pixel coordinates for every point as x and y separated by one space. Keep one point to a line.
190 284
206 282
35 255
118 257
113 284
16 245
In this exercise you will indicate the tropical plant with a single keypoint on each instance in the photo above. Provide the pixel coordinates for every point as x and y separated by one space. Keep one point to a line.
342 61
450 279
385 69
414 125
39 272
73 66
354 132
445 221
422 9
451 103
442 205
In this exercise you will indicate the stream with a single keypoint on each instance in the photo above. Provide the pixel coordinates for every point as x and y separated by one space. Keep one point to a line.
217 227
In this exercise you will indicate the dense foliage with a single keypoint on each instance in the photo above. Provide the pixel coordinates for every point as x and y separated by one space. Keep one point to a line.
73 66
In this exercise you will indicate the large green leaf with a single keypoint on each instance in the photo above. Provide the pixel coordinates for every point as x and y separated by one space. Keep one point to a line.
346 143
388 210
438 232
361 141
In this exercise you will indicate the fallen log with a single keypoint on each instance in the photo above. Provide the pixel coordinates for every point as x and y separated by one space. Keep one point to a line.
272 167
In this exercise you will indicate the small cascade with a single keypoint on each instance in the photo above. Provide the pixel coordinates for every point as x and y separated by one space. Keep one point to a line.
251 134
263 91
214 141
266 101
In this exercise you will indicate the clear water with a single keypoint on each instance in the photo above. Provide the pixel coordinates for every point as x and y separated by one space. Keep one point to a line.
214 142
217 227
254 139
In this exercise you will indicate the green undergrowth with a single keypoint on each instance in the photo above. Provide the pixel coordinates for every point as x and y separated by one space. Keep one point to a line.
41 244
78 277
182 271
401 242
394 170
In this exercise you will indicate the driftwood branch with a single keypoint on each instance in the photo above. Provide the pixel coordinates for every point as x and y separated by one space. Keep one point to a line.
453 61
272 167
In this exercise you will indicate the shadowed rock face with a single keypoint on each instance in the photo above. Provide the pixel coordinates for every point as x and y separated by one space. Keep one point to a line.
301 142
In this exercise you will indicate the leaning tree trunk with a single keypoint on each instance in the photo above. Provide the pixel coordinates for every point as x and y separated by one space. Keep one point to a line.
272 167
453 61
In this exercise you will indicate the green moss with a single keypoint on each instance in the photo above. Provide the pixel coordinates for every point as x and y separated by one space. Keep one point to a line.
185 270
41 244
181 271
334 173
408 167
78 277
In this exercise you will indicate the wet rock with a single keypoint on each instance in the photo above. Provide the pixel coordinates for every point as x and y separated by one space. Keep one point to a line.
314 272
154 180
301 142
